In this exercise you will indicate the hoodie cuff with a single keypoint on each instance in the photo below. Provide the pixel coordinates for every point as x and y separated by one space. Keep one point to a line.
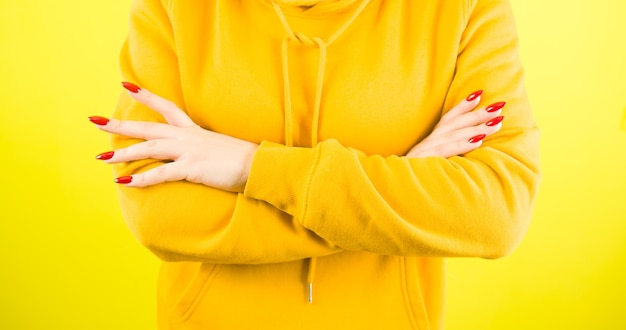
281 175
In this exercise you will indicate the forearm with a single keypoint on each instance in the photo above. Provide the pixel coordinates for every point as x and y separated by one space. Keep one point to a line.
477 205
185 221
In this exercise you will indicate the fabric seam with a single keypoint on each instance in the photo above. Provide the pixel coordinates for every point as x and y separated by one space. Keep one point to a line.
206 280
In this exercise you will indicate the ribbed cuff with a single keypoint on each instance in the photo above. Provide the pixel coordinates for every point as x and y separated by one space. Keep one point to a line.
280 176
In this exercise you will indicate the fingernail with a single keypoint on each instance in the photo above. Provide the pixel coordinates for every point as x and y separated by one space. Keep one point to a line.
105 155
474 95
131 87
494 121
99 120
477 138
495 107
124 179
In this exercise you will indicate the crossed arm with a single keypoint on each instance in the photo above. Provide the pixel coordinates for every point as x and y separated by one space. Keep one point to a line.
195 195
220 161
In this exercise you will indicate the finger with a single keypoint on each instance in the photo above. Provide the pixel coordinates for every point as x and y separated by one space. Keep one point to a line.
467 105
458 142
172 113
164 173
468 119
451 149
467 133
141 129
472 118
160 149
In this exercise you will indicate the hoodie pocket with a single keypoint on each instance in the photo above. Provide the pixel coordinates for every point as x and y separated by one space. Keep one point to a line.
194 293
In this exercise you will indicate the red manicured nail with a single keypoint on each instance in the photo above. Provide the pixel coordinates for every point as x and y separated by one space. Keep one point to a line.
124 179
474 95
131 87
494 121
105 155
477 138
99 120
495 107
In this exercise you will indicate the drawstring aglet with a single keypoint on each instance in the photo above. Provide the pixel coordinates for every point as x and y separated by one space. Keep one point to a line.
310 292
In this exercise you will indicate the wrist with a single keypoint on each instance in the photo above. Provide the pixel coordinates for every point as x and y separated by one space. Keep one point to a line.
248 156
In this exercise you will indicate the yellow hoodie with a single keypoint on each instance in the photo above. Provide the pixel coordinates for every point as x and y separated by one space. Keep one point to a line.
335 94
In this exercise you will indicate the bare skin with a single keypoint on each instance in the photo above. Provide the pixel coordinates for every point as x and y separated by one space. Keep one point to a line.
221 161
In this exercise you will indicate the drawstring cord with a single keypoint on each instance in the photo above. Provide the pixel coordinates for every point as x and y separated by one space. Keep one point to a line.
287 86
318 87
321 68
311 276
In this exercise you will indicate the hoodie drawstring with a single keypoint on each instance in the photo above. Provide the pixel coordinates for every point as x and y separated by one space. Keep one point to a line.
310 277
321 68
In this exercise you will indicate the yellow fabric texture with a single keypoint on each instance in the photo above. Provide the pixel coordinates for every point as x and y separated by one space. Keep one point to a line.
378 224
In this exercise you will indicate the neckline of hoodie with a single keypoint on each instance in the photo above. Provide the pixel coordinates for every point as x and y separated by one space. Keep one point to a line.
321 16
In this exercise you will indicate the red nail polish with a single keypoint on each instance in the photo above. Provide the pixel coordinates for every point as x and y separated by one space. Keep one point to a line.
495 107
105 155
124 179
474 95
131 87
494 121
99 120
477 138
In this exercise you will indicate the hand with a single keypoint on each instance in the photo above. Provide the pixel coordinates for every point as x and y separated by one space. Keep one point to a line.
197 155
460 130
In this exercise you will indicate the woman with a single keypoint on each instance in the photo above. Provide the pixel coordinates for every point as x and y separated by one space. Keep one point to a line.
327 156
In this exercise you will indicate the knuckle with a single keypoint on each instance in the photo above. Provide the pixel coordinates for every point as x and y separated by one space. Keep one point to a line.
160 173
115 125
146 129
139 180
479 116
155 175
121 154
439 150
151 145
144 125
459 147
195 178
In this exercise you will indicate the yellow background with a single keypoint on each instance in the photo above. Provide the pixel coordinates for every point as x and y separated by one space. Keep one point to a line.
68 262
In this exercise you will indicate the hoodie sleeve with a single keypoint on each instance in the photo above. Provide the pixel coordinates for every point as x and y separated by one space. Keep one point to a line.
478 204
185 221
